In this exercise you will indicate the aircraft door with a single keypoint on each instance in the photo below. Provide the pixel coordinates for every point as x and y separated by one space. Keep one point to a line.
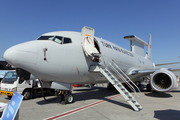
87 41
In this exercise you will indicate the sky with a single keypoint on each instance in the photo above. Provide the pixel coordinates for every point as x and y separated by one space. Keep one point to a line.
22 21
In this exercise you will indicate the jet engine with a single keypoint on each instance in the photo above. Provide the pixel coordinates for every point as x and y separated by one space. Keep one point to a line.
163 80
24 74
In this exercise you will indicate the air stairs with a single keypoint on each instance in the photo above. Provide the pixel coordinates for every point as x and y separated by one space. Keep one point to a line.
108 72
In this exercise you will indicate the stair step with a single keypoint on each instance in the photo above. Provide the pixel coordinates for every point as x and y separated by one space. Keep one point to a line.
109 74
112 78
126 93
133 101
137 105
121 87
129 97
116 82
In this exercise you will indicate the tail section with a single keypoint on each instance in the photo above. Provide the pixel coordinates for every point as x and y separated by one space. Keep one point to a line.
149 50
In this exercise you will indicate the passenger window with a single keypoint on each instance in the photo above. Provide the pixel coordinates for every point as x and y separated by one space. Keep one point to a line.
67 40
58 39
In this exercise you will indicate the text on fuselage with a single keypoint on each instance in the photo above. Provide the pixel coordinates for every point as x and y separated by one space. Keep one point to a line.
107 45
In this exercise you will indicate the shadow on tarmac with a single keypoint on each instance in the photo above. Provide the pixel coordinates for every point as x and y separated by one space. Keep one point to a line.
167 114
99 93
94 93
175 91
53 99
158 94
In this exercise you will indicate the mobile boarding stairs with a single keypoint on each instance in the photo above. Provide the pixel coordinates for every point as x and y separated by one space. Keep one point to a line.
115 75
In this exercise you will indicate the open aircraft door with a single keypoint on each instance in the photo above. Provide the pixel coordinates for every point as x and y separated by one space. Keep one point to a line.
87 40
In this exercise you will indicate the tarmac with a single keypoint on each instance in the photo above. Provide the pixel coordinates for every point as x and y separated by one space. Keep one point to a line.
98 103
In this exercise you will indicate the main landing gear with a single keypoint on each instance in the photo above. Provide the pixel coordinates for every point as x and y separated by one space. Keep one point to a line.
148 88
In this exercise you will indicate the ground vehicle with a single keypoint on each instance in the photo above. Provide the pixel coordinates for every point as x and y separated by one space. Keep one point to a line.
11 82
4 67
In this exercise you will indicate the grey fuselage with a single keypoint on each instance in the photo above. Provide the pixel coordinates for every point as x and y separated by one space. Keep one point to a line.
68 63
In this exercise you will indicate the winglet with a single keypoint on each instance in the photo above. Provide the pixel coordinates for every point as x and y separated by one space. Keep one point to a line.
149 50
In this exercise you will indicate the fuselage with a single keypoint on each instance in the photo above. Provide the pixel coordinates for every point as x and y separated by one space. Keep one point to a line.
51 60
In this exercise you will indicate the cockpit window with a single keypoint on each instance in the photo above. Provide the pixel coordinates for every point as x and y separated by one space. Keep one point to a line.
67 40
45 38
57 39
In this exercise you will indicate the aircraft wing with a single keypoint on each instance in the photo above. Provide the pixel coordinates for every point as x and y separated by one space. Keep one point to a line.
174 69
167 63
138 75
148 72
143 72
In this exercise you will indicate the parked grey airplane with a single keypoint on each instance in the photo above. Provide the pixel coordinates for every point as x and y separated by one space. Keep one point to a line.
82 58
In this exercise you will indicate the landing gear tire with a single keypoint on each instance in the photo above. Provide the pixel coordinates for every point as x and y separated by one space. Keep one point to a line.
26 94
69 99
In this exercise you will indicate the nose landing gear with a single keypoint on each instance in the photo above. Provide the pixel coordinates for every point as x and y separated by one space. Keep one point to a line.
66 97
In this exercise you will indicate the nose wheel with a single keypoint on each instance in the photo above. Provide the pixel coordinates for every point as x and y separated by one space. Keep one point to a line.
69 99
66 97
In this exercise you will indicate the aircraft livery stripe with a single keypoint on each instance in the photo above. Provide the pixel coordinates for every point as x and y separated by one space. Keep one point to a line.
78 109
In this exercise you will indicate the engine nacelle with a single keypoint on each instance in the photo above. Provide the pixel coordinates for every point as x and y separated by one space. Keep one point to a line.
24 74
163 80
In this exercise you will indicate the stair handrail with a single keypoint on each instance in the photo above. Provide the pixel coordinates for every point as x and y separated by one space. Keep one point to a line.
105 65
126 76
127 80
122 78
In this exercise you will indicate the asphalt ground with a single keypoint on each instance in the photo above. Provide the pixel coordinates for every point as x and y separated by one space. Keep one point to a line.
99 103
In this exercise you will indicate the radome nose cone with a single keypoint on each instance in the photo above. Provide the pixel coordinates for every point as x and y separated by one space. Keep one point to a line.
9 55
21 54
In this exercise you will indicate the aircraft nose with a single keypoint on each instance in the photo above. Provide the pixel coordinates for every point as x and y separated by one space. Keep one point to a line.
22 55
8 55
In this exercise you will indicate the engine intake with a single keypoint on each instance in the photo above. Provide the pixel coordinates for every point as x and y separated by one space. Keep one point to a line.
163 80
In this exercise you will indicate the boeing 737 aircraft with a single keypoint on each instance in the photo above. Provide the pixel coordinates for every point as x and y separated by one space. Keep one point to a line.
81 58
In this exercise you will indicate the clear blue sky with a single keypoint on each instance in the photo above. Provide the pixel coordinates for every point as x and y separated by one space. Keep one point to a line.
22 21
